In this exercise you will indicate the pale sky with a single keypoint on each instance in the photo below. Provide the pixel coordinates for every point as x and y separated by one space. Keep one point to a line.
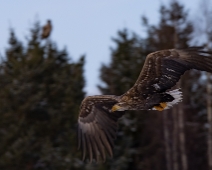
83 27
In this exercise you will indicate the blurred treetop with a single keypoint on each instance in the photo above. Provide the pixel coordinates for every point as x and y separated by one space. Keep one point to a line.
41 89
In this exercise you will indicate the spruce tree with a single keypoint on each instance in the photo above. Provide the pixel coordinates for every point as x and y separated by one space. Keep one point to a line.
127 59
174 30
142 134
41 91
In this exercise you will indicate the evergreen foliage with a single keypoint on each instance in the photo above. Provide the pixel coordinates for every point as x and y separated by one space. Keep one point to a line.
41 90
127 60
140 142
175 31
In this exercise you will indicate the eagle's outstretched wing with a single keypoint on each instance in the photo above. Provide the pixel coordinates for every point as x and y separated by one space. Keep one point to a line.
162 69
97 126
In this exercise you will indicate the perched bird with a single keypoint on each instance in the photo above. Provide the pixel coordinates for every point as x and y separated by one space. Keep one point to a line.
46 30
97 122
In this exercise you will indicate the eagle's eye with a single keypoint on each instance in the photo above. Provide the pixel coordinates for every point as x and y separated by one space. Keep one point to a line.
125 98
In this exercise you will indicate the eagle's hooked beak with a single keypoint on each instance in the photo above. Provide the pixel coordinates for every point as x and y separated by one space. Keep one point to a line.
115 108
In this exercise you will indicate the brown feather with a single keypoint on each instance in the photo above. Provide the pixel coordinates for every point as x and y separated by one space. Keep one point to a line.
97 125
46 30
165 67
96 128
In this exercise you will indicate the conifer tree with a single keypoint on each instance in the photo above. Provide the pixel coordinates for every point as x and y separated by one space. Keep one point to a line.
127 59
41 90
204 29
175 31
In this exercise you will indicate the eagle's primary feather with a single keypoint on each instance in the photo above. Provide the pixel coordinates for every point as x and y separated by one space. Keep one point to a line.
97 122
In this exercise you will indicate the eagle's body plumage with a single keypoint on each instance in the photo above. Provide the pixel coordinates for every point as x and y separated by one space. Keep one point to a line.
97 122
46 30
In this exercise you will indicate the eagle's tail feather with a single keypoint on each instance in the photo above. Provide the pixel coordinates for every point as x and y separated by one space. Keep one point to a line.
177 95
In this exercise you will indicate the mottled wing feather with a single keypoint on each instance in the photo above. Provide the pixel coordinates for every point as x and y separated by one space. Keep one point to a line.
97 127
162 69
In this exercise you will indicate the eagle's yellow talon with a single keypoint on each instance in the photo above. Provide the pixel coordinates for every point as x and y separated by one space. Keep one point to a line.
161 107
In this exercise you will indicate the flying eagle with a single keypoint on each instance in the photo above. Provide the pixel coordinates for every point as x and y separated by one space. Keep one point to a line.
97 122
46 30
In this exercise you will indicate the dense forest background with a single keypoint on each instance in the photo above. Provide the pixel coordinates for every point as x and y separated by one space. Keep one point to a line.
41 89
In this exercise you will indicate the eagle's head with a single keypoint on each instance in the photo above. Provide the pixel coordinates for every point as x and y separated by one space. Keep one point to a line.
125 103
119 107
